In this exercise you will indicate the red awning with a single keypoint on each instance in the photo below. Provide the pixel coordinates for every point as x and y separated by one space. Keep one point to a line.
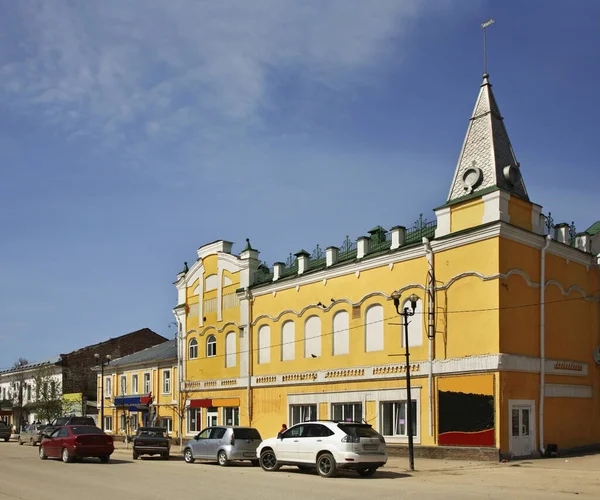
145 400
200 403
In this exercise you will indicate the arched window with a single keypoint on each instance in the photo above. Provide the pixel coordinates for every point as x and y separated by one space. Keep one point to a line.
341 340
230 350
312 337
415 325
264 344
288 344
374 328
211 346
193 349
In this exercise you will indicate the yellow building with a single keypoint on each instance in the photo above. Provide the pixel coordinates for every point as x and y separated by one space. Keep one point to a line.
502 341
141 389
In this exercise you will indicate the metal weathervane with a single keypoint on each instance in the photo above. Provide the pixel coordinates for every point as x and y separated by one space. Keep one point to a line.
484 25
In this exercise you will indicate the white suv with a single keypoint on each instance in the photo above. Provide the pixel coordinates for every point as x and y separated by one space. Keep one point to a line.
326 445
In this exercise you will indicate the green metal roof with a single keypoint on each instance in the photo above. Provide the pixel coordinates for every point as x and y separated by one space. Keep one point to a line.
594 228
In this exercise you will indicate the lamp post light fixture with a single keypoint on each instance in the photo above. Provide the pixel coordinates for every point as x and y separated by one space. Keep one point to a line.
405 314
102 363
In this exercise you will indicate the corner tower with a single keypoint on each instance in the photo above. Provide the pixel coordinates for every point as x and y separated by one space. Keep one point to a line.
487 184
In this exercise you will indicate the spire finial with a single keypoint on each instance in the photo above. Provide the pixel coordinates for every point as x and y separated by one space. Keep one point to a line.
484 25
248 246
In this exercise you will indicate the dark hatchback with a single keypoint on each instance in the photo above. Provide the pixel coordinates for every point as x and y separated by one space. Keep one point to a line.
151 441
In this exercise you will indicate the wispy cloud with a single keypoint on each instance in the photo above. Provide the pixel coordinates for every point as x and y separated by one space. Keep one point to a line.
138 72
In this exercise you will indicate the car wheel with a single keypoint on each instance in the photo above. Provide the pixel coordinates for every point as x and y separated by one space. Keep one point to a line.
135 455
32 442
20 442
255 463
366 472
43 455
326 466
105 459
222 458
66 456
268 461
6 439
165 456
188 456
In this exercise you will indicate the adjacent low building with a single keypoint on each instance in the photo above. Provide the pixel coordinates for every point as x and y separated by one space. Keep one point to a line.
141 389
64 384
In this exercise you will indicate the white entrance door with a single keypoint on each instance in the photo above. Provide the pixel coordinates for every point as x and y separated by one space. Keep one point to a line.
212 417
522 424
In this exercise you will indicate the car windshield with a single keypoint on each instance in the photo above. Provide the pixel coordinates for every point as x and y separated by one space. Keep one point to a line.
247 433
86 429
359 431
60 421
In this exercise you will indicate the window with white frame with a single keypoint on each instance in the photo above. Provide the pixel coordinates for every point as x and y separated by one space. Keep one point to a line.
264 344
350 412
393 418
415 326
231 415
341 333
312 337
123 427
123 385
135 386
167 423
166 382
107 387
28 392
374 328
133 423
193 349
288 341
194 420
147 386
230 350
211 346
108 424
302 413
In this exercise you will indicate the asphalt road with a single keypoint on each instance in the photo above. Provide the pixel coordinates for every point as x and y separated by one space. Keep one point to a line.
24 476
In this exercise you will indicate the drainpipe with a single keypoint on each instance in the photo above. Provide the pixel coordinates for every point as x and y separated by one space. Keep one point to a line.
543 339
430 324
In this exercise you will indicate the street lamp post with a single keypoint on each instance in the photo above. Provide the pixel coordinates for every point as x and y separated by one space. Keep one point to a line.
102 363
405 314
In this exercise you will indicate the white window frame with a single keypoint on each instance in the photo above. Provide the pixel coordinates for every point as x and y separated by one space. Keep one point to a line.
396 433
134 422
169 422
107 387
123 384
123 423
108 423
211 346
147 382
166 381
193 349
198 415
357 418
306 412
235 415
135 384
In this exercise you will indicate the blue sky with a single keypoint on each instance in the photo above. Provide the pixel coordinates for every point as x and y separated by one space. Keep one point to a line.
131 133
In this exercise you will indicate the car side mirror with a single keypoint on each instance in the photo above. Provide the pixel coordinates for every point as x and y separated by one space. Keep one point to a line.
196 437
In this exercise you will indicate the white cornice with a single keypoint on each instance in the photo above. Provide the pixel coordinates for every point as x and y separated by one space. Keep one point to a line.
484 363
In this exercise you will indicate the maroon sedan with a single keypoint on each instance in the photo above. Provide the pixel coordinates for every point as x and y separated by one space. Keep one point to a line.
77 441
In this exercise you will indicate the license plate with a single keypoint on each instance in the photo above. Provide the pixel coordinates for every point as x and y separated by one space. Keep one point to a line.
370 446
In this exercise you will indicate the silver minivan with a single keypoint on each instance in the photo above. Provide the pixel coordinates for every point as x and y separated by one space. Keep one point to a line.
223 444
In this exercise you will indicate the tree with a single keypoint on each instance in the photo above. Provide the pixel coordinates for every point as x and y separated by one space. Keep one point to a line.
18 387
48 394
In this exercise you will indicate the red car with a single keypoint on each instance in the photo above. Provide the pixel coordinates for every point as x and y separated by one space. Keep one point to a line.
77 441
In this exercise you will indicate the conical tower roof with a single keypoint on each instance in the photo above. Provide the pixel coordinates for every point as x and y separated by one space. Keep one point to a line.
487 159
